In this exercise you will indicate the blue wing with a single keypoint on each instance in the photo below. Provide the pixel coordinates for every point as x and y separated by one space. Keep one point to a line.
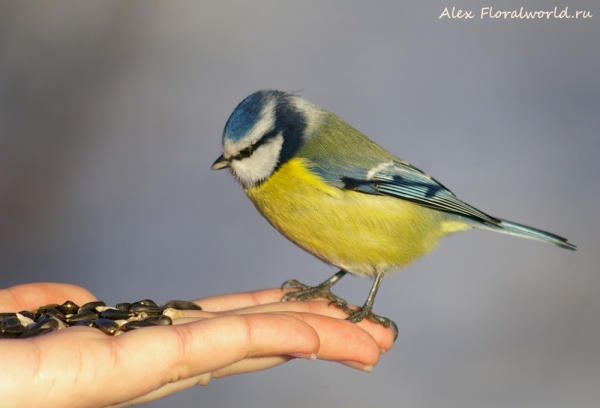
347 159
404 181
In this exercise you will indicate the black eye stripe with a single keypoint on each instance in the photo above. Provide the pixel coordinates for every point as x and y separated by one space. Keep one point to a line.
247 152
266 137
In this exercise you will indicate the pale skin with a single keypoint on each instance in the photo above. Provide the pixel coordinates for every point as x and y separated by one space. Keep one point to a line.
234 334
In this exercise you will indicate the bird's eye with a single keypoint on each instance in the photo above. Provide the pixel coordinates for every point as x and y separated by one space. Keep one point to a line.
246 152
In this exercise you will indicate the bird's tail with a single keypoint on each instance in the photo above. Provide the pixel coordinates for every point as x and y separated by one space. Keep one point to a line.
519 230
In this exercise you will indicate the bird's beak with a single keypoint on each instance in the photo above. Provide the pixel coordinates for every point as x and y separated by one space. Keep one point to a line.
221 163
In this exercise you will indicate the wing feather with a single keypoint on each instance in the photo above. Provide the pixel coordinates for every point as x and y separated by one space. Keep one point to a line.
406 182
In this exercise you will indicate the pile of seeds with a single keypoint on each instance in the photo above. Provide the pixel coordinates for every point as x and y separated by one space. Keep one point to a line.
111 320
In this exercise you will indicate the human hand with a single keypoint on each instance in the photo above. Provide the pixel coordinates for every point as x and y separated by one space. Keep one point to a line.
234 334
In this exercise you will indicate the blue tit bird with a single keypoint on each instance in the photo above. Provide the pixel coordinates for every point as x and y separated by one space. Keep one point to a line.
340 196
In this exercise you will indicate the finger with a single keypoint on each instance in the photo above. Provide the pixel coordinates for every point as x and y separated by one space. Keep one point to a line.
164 355
340 339
167 389
318 306
383 336
250 365
310 306
240 300
343 341
215 343
33 295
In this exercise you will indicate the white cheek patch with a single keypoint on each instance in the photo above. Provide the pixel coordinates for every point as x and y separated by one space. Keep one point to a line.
264 125
260 164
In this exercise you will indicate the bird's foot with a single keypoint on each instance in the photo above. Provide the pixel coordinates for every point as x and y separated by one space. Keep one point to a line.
366 312
312 292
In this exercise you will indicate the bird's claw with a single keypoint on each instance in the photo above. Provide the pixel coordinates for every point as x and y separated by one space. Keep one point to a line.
367 313
324 291
312 292
344 306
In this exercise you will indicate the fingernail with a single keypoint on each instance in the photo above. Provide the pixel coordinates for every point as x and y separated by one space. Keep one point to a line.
358 366
382 351
304 356
394 329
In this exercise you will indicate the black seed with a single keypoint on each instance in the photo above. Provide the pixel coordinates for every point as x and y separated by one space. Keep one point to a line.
47 321
36 332
86 315
48 306
115 314
55 312
53 317
45 324
27 313
13 331
147 302
151 321
88 323
91 306
123 306
42 310
25 321
9 321
68 308
106 325
159 320
138 324
139 308
181 305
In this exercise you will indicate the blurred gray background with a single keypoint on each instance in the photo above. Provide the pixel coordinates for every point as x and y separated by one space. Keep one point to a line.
111 115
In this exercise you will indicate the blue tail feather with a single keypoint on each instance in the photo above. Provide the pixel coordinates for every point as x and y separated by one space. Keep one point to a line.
520 230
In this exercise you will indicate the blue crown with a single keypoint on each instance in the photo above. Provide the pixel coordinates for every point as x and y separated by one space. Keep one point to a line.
248 113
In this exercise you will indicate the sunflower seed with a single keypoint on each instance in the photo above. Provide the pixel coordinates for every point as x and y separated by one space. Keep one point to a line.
147 302
173 313
27 313
138 307
9 321
111 320
182 305
13 331
24 320
68 308
91 305
84 322
123 306
86 315
106 325
42 310
45 324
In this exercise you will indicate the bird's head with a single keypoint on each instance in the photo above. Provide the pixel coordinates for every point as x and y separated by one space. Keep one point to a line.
264 131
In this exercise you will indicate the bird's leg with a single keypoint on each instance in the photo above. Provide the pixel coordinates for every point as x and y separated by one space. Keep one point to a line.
311 292
367 310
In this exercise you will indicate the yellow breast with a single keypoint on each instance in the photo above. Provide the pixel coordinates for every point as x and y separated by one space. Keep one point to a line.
357 232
